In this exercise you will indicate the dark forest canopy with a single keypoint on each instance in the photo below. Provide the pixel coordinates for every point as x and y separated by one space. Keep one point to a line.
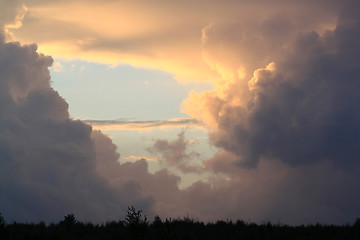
137 226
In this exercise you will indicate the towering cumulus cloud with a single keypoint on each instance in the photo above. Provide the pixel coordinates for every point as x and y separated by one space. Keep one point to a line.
301 107
298 112
47 160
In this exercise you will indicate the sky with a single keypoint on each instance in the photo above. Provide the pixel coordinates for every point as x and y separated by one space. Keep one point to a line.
209 109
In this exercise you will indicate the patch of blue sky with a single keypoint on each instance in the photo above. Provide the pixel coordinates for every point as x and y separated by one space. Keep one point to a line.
99 91
103 92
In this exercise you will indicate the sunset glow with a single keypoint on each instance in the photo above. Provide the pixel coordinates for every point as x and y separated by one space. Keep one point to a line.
209 109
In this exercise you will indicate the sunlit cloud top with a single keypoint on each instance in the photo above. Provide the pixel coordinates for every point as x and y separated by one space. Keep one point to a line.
159 34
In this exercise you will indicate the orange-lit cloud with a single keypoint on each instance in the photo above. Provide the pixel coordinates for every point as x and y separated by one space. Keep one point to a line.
292 104
165 35
283 111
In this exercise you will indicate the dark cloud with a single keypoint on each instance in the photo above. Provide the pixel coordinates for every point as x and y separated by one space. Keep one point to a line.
162 186
51 165
301 108
47 160
289 136
316 192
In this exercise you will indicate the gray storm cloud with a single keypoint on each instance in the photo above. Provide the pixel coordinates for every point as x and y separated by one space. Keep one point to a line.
301 107
47 160
293 127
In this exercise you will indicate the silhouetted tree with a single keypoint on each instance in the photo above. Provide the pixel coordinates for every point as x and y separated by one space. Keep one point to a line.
157 220
357 223
2 221
136 224
2 227
137 227
69 220
68 224
134 217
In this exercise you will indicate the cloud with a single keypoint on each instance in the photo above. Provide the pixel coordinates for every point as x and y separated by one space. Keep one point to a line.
299 108
162 186
291 126
142 125
146 35
11 16
175 153
48 161
57 67
147 158
317 192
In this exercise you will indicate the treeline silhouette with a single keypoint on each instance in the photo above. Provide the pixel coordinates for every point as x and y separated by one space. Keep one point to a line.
137 226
